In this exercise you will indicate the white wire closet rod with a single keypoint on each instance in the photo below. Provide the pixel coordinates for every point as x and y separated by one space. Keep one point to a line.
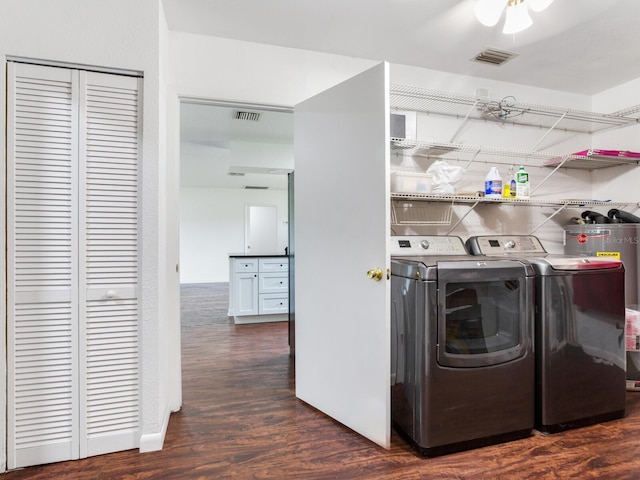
457 151
457 105
542 202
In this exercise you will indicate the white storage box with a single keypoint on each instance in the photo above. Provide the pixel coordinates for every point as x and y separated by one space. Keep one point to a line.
410 182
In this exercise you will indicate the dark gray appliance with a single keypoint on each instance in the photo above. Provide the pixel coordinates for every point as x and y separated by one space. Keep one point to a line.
579 325
461 345
622 241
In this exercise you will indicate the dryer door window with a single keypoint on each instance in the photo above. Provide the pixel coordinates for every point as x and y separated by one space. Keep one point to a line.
482 316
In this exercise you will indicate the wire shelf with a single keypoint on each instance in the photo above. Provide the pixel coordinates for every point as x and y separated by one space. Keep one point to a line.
467 106
430 209
540 202
464 152
405 211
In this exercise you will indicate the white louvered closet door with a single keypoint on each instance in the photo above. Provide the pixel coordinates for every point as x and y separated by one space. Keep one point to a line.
109 123
42 262
72 334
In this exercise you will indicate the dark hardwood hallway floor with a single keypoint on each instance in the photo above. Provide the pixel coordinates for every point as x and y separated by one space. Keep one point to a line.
241 420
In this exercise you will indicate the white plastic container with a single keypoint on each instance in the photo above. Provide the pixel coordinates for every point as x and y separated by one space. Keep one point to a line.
410 182
493 184
522 184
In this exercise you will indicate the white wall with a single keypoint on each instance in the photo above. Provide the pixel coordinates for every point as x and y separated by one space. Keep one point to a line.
619 182
169 351
116 34
260 155
218 68
212 227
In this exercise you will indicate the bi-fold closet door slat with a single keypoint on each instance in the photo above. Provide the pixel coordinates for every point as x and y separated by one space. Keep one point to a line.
72 234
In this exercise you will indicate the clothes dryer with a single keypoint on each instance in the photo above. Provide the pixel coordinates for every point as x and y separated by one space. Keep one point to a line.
579 332
462 346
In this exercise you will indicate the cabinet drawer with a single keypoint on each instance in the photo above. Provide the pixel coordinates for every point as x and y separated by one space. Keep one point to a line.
273 283
274 264
273 303
246 265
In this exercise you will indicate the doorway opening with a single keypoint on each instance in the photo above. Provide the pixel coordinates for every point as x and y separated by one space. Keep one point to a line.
231 155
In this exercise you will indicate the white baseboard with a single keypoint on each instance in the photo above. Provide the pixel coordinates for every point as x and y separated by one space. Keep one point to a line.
152 442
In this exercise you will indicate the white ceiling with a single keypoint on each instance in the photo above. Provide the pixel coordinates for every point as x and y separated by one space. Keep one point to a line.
207 133
580 46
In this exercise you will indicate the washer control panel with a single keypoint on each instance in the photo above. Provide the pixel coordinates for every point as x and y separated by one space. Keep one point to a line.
505 245
421 245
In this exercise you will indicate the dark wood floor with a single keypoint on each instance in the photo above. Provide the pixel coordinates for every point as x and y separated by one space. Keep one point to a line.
241 420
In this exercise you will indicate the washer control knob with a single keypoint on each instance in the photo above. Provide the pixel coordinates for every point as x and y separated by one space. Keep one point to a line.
510 244
424 244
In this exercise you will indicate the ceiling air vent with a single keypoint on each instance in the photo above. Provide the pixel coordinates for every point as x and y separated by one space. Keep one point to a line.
255 187
249 116
494 56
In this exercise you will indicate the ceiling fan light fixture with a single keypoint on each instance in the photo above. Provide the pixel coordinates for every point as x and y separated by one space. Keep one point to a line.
488 12
518 18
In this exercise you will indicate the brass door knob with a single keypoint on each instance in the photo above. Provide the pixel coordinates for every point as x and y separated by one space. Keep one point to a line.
375 274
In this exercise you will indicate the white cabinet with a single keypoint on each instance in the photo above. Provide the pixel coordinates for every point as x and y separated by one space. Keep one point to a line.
245 286
258 289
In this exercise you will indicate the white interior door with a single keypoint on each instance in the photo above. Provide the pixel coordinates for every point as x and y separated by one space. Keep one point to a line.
341 230
260 229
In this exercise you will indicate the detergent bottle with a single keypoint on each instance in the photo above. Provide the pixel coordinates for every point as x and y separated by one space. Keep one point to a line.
493 184
522 184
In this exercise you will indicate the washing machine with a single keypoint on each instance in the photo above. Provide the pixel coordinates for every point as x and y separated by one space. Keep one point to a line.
462 366
579 332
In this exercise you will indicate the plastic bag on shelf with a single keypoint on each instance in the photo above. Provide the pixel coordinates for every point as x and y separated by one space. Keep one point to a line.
443 177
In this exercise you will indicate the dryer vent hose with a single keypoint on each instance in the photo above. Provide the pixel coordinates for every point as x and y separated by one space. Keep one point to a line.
620 216
594 217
